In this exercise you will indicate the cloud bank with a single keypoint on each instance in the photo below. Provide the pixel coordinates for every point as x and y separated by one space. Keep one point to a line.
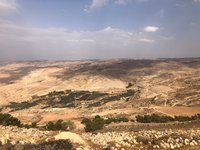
96 5
151 29
59 43
7 7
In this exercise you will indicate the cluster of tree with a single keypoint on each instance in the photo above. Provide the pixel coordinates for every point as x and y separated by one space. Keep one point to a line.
28 126
97 123
128 93
94 124
59 125
187 118
7 119
154 118
121 119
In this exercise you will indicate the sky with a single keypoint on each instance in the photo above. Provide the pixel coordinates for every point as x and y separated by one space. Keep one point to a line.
99 29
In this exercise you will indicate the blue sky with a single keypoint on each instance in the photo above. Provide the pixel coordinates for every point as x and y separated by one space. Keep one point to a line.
99 29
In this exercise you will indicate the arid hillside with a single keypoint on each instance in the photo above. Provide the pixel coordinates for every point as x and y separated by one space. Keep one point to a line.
111 87
164 81
119 91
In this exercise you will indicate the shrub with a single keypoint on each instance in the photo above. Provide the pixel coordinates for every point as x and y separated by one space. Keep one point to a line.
28 126
185 118
97 123
153 118
59 125
94 124
95 95
111 98
128 93
129 85
7 119
163 119
121 119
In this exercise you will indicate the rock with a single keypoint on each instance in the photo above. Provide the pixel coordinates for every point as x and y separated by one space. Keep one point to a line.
6 146
71 136
172 146
134 141
47 147
191 144
186 141
154 146
4 141
22 142
112 148
19 147
177 145
163 145
194 142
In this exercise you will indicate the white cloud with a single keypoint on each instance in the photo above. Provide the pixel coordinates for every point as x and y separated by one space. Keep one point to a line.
151 29
197 0
96 5
60 43
7 6
121 2
142 0
21 42
146 40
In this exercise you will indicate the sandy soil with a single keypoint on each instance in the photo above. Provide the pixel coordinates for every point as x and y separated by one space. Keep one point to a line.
43 81
178 110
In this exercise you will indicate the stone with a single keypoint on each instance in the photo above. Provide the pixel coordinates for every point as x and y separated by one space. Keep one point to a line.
6 146
22 142
155 146
112 148
195 143
191 144
134 141
186 141
47 147
117 145
177 145
19 147
172 146
163 145
4 141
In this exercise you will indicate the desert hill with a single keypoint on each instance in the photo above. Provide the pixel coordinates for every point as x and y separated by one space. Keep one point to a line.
43 91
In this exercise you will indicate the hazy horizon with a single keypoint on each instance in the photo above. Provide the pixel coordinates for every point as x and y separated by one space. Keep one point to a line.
99 29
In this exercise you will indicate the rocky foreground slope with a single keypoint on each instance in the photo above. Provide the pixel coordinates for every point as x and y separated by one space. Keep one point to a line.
13 138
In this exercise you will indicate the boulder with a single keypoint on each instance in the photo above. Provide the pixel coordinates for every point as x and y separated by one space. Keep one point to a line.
73 137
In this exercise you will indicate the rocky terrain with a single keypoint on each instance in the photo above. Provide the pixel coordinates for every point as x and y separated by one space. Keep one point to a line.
152 139
24 139
43 91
